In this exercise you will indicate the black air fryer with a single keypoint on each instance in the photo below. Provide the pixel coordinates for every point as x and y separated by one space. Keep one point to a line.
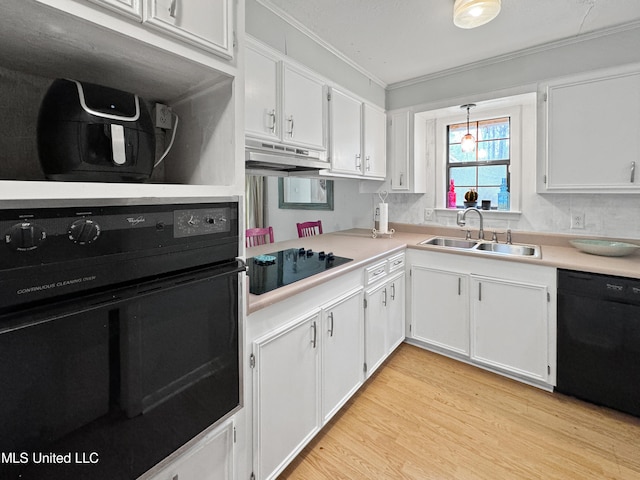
92 133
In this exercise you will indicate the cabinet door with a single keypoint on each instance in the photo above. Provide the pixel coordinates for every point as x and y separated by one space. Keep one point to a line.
395 313
345 133
509 326
204 23
375 327
593 134
303 120
131 8
375 144
440 309
342 352
286 394
400 152
262 115
210 459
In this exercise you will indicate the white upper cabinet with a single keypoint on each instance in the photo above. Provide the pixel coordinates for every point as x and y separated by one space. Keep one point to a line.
375 141
303 109
357 133
345 133
283 103
411 144
262 111
204 23
593 134
131 8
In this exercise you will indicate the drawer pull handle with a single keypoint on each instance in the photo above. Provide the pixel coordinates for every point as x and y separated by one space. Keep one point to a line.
331 324
633 172
172 8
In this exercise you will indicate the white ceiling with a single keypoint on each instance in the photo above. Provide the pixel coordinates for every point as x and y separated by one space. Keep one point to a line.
397 40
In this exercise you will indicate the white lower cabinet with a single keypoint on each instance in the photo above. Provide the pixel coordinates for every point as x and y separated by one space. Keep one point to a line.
509 326
440 306
209 459
304 372
286 393
384 320
495 314
342 351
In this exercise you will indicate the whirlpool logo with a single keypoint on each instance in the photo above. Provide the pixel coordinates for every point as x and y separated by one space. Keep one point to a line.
136 221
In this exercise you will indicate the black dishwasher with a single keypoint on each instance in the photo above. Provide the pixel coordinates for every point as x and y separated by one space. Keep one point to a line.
599 339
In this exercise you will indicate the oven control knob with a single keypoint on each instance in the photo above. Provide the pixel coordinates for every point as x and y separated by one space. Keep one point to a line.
84 231
25 236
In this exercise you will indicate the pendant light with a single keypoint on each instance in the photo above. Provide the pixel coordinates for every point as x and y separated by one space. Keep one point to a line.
473 13
468 142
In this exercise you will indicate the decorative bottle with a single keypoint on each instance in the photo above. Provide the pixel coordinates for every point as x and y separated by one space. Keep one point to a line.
503 196
451 196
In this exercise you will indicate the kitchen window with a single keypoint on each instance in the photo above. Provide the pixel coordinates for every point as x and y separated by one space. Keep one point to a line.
484 168
498 154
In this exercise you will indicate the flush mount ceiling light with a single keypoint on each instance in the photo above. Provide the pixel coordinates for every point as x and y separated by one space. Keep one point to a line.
473 13
468 142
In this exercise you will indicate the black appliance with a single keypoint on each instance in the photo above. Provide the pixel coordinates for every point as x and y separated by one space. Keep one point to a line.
599 339
88 132
277 269
118 335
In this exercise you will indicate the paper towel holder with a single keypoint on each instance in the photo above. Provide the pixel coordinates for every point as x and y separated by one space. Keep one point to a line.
383 212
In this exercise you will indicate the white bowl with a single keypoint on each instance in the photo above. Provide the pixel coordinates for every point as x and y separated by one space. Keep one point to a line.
605 248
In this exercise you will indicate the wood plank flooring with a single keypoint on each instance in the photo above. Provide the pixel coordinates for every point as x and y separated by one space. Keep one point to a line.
424 416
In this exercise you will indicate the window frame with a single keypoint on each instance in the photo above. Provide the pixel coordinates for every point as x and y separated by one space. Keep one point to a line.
522 109
478 163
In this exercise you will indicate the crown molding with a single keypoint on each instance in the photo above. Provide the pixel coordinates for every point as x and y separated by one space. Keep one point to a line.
323 43
517 54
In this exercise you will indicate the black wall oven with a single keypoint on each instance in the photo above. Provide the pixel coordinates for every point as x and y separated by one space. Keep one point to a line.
119 335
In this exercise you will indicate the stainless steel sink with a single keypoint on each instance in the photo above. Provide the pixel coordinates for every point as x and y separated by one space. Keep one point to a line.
450 242
484 247
510 249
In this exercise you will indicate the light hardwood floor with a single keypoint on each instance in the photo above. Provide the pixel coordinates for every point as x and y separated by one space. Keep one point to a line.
424 416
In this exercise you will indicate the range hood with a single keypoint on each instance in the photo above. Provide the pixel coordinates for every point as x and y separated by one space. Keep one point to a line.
277 159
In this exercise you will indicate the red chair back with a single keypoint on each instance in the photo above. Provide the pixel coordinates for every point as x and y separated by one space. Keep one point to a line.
258 236
307 229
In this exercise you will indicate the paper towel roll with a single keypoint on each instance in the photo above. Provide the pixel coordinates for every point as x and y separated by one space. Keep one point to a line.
384 217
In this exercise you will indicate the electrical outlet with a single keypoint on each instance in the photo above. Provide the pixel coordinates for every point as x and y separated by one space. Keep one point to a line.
428 214
577 220
163 116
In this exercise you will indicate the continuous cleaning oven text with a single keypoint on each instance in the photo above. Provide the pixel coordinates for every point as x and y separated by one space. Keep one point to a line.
49 286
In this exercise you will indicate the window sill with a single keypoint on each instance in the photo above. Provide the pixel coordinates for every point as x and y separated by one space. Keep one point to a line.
497 214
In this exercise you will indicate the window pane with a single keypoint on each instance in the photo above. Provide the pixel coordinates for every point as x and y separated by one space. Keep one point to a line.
493 129
491 175
493 150
463 177
456 155
488 193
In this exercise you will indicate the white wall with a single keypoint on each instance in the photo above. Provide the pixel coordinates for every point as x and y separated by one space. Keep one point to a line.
351 209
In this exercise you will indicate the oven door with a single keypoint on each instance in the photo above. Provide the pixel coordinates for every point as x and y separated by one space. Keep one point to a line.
108 385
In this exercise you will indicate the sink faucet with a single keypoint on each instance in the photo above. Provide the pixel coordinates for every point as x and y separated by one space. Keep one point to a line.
461 219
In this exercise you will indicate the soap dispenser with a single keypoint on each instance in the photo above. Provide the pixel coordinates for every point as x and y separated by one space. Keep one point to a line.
503 196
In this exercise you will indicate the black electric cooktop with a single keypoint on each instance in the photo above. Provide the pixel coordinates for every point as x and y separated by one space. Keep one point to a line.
277 269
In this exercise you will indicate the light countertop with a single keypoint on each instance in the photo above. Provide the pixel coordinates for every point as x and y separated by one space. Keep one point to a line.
359 245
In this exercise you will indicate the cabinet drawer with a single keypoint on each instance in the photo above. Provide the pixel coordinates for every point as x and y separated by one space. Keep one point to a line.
396 262
375 272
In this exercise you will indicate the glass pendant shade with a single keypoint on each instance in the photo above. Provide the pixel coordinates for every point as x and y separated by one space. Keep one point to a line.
473 13
468 143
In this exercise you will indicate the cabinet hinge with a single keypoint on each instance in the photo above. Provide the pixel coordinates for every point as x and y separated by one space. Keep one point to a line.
328 97
410 272
548 369
364 303
252 361
234 435
548 297
365 367
546 95
410 328
544 179
252 476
